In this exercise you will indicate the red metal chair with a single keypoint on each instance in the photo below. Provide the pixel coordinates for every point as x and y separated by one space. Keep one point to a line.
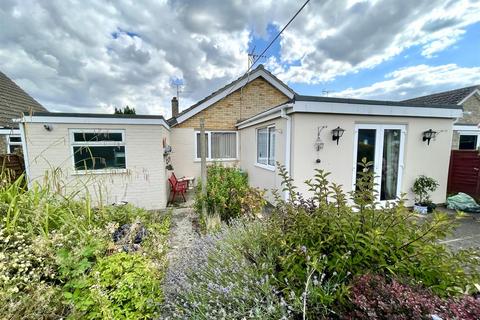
177 187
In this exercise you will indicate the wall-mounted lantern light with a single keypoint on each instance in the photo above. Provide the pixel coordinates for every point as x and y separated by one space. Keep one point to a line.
337 133
428 135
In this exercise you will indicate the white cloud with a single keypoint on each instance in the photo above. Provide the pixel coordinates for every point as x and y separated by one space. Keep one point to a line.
74 56
353 35
416 81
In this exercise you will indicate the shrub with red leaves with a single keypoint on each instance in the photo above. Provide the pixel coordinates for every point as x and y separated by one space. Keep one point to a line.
374 297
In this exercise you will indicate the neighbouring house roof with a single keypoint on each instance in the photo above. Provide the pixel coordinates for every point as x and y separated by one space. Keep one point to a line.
373 102
92 118
14 101
457 96
216 96
331 105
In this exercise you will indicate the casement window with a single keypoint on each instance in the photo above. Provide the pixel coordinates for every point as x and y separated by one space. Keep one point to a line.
221 145
98 150
266 147
14 142
468 142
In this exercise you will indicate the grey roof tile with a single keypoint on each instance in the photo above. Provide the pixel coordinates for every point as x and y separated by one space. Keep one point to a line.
14 101
446 97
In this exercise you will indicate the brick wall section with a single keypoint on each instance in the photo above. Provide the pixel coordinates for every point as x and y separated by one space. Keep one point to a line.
257 96
471 109
455 140
3 144
471 115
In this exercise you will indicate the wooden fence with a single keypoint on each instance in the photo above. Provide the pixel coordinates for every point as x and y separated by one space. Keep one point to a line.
464 173
13 164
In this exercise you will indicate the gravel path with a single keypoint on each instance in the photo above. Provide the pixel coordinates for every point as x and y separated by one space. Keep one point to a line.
182 234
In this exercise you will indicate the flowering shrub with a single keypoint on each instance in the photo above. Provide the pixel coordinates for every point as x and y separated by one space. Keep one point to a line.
228 194
325 238
120 286
219 279
54 247
373 297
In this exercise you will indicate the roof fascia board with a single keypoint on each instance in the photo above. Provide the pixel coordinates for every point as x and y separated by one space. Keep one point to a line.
464 127
380 110
92 120
13 131
268 114
260 120
229 90
476 91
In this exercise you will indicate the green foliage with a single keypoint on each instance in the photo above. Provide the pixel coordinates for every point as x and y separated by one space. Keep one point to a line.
422 186
322 242
54 245
228 194
120 286
126 110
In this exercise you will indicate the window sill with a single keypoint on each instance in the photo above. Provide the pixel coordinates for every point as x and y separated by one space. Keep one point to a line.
108 171
217 160
265 166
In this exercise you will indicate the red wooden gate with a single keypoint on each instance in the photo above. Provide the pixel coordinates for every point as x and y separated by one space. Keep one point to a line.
464 173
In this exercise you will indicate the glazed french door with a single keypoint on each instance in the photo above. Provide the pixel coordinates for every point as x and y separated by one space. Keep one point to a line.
382 145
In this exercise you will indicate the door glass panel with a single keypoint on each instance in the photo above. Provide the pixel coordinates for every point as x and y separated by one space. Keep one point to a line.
366 148
390 160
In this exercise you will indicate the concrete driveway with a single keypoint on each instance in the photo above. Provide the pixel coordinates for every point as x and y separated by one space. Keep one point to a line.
467 234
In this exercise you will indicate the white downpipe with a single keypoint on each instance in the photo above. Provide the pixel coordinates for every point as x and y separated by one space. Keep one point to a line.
288 145
23 136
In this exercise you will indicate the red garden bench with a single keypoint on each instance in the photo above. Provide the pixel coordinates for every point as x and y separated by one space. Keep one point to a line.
177 187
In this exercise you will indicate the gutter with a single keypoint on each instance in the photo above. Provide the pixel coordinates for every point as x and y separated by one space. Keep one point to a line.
261 116
288 145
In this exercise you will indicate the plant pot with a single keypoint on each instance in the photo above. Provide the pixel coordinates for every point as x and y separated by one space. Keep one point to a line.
431 207
421 209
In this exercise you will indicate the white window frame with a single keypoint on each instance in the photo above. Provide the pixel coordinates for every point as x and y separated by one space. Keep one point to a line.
196 157
262 165
74 143
469 133
380 128
9 143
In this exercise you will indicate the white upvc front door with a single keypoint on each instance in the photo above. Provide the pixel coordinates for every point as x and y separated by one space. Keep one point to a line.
382 144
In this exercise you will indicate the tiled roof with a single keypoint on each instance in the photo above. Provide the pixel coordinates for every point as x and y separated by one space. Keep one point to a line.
172 120
446 97
374 102
14 102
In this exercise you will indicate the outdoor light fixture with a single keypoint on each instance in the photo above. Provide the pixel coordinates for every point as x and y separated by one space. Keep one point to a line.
337 133
428 135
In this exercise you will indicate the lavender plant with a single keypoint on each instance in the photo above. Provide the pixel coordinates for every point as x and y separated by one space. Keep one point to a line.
220 278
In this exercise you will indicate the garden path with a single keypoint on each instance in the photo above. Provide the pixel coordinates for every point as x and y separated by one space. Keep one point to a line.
182 234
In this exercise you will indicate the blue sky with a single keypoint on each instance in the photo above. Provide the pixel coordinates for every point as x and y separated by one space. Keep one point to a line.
464 53
77 57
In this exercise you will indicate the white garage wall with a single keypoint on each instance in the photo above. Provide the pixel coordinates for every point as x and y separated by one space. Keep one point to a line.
144 184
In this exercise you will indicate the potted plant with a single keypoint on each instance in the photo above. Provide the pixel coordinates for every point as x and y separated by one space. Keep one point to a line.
422 188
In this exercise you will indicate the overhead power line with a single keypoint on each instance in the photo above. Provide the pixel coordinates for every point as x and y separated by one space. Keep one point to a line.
278 35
